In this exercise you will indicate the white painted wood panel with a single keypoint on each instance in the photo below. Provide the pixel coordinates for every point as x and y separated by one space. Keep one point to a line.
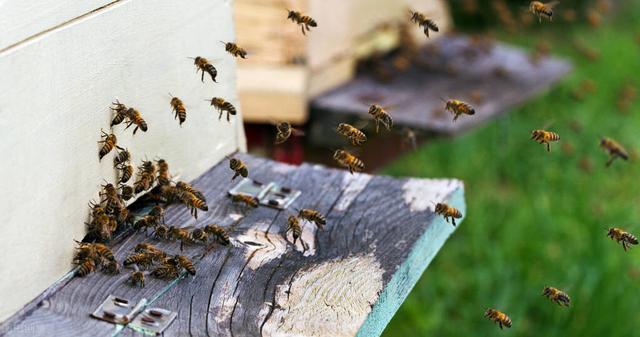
55 94
20 19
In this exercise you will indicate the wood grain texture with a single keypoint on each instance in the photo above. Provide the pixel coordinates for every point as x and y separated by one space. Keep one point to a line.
54 99
381 234
415 97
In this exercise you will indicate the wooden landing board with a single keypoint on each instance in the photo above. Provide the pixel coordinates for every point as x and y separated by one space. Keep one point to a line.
504 76
347 280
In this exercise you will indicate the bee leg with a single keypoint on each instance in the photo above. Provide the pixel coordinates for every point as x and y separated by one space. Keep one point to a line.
624 246
202 77
134 130
611 159
548 149
220 116
453 221
500 324
228 116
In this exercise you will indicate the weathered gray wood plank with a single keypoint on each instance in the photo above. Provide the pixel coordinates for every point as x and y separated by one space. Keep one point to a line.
454 68
381 233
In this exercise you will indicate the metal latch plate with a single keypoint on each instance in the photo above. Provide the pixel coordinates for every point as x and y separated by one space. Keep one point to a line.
117 310
270 194
153 321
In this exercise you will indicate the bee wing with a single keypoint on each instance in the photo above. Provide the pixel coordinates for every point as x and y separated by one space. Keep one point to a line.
548 124
297 132
552 4
361 124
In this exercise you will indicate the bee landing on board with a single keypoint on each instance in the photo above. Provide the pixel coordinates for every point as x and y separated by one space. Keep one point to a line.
355 136
223 106
541 9
422 21
202 64
621 235
177 106
313 216
137 279
448 212
238 167
381 116
544 137
556 295
234 49
349 161
108 142
498 317
458 108
245 199
304 21
284 132
614 149
293 225
218 233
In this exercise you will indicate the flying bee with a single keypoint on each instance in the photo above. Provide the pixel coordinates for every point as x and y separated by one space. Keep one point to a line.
245 199
185 263
238 167
218 233
202 64
194 204
178 108
381 116
422 21
409 137
313 216
355 136
623 236
164 178
199 235
348 160
126 192
614 149
223 106
234 49
181 185
544 137
304 21
457 108
556 295
161 232
122 157
293 225
284 131
541 9
108 142
86 267
135 117
143 260
498 317
448 212
137 279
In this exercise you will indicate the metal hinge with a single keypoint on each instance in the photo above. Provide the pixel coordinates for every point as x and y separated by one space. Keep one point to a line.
118 310
270 194
153 321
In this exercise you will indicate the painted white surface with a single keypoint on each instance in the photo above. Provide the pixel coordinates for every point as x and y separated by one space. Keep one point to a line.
55 94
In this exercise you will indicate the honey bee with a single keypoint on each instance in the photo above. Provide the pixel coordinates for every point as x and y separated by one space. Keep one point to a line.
111 267
161 232
593 18
194 204
181 185
164 178
185 263
135 117
238 167
223 106
166 271
137 279
126 171
304 21
614 149
86 267
199 235
313 216
103 251
284 131
544 137
348 160
457 108
380 116
122 157
178 108
355 136
556 295
155 252
218 233
83 252
158 212
143 260
498 317
541 9
101 227
126 192
111 197
234 49
448 212
245 199
108 142
145 178
293 225
621 235
202 64
181 235
120 110
422 21
148 221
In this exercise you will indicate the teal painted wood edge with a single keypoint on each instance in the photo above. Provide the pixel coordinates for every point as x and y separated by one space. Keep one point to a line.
406 277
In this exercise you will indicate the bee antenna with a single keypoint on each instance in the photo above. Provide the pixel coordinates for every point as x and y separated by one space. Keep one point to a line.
442 99
192 58
223 42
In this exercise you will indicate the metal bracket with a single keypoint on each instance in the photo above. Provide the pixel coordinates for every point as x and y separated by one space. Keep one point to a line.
270 194
153 321
117 310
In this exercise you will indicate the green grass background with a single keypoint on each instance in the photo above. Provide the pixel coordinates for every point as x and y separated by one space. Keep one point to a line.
536 218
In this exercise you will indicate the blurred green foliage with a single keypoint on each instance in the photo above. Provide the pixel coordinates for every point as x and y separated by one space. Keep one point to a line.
536 218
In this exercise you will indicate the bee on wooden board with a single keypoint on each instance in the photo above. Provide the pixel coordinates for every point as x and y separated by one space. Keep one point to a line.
234 49
109 141
544 137
238 167
135 118
284 130
185 263
223 106
101 227
498 317
621 236
313 216
348 160
448 212
86 267
143 260
381 117
111 267
458 108
156 253
177 106
422 21
122 215
557 295
293 225
137 279
218 233
199 235
147 221
245 199
202 64
304 21
541 9
614 149
167 271
355 136
161 232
